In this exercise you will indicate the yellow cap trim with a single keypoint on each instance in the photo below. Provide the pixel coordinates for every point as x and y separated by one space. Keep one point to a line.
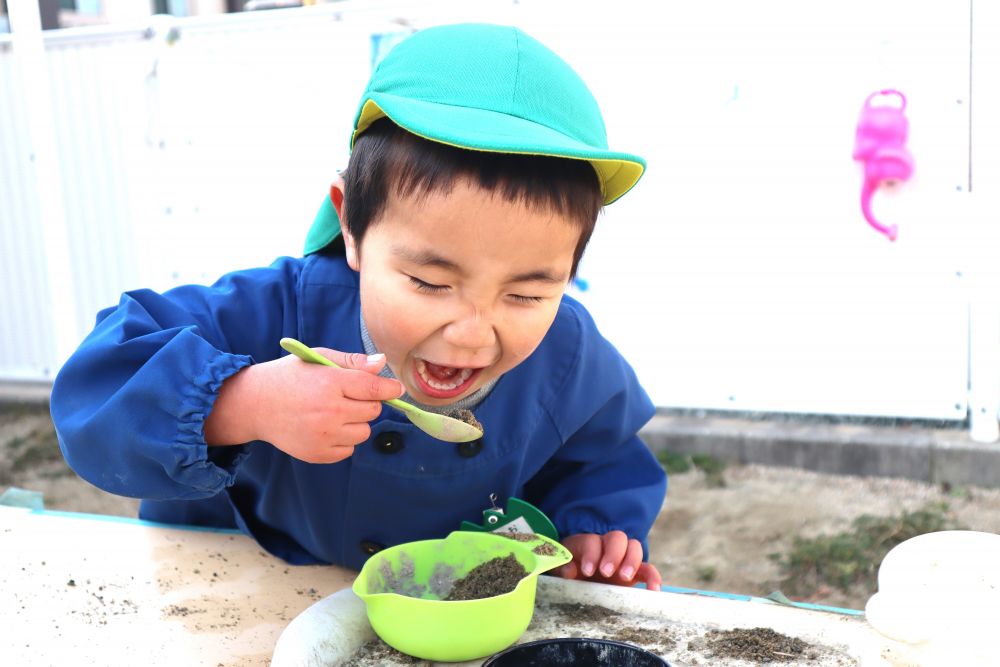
623 174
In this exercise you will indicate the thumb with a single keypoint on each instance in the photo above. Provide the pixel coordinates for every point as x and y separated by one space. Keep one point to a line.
354 360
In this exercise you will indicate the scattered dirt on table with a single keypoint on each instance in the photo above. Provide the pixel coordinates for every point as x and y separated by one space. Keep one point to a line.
604 623
757 645
181 610
95 603
466 416
644 637
584 613
494 577
377 653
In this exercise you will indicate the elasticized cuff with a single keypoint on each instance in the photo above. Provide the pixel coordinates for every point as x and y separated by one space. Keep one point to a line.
583 524
208 474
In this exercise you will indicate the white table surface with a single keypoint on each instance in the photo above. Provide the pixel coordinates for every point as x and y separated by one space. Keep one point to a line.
78 589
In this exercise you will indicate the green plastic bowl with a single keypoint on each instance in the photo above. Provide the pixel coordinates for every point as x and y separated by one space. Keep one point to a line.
402 588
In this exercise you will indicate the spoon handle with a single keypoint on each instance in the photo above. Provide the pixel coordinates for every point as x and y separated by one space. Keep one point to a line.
306 353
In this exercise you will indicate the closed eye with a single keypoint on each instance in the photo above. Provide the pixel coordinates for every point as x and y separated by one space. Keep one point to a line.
526 299
429 288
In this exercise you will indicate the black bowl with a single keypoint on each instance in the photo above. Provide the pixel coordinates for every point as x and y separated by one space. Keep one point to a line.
575 652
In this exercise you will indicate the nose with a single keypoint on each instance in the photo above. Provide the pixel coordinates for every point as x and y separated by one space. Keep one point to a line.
472 329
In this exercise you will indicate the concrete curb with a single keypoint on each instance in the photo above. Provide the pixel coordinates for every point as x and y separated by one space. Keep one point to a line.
937 456
29 393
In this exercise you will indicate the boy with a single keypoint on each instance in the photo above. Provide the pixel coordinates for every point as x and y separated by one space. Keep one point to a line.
434 271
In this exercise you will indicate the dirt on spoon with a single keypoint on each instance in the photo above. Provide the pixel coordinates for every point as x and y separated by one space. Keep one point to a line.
467 417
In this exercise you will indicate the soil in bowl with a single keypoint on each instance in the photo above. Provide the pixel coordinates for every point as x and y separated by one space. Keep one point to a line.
494 577
517 537
543 549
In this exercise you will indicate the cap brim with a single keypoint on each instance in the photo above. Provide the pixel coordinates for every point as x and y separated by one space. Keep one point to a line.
478 129
325 227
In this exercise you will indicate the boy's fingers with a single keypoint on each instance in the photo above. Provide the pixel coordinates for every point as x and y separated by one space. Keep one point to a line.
631 562
361 412
363 386
590 555
649 575
586 550
352 433
569 571
354 360
615 544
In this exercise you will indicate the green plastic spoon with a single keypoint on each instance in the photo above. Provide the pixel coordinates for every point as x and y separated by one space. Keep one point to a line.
441 427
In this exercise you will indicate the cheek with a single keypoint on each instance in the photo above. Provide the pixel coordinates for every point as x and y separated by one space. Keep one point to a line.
396 325
527 334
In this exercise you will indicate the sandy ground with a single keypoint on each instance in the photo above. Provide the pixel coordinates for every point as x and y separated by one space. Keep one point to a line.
707 537
733 530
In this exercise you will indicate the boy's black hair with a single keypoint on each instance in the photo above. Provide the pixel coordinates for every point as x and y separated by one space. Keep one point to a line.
387 159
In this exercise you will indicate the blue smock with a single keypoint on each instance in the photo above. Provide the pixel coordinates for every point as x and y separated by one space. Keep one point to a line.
130 404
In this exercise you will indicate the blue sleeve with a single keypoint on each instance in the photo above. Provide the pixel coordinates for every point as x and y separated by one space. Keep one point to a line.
603 477
130 404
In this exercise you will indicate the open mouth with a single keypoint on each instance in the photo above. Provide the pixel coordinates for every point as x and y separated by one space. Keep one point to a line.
440 381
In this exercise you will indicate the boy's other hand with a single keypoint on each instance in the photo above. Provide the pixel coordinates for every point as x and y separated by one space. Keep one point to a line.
315 413
611 558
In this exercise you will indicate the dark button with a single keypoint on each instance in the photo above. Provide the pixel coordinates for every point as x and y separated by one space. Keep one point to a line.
470 449
370 547
389 442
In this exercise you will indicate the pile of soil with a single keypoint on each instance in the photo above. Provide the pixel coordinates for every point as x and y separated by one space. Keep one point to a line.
756 645
494 577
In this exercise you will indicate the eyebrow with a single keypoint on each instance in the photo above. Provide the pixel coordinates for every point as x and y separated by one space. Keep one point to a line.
425 258
541 276
430 258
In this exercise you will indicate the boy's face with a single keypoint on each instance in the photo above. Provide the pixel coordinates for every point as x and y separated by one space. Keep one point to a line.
459 288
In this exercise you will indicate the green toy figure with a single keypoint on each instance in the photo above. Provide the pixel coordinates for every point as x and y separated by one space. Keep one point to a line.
520 517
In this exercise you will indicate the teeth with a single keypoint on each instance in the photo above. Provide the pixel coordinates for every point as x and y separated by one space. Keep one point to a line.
459 379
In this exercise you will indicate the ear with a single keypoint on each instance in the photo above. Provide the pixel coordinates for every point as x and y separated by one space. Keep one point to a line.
337 199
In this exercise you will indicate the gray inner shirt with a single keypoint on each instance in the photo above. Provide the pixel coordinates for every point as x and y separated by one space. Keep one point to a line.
468 403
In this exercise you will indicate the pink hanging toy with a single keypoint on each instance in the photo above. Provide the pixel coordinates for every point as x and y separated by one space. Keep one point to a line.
880 142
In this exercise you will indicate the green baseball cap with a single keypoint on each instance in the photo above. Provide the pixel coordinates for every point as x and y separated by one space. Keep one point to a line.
489 88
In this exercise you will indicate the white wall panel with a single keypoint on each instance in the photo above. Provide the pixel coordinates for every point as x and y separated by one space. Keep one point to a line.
27 345
740 274
251 118
97 93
